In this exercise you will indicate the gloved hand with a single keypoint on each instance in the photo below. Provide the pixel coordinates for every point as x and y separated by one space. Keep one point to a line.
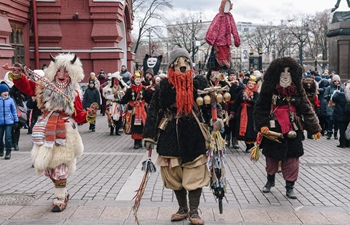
15 126
317 135
264 130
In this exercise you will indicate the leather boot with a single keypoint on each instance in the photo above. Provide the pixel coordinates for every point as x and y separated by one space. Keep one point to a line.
15 147
228 139
270 183
336 135
289 189
249 148
8 154
1 152
182 213
329 134
235 143
117 128
111 130
194 198
137 144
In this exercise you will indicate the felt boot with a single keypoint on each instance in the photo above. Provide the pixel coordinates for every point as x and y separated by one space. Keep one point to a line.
182 213
270 183
289 189
194 198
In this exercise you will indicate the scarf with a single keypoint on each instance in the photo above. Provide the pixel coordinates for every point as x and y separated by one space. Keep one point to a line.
244 112
287 91
55 130
183 84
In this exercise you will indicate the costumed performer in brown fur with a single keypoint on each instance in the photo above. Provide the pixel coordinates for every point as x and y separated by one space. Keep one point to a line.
283 107
180 143
55 136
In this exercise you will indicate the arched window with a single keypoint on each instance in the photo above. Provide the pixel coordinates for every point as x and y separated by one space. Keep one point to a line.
16 41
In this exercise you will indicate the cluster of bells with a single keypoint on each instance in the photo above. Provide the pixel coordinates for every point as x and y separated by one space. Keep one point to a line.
207 99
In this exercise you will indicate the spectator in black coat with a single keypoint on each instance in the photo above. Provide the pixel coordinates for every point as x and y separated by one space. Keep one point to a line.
91 95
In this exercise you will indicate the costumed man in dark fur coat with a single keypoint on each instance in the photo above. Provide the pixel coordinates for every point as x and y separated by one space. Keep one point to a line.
56 140
283 107
180 143
309 85
136 97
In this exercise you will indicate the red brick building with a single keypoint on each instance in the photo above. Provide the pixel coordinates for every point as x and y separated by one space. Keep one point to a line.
98 31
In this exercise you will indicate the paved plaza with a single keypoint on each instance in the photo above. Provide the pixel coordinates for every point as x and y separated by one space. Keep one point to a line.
109 172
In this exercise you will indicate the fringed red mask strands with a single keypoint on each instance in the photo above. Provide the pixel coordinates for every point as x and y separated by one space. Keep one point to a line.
183 84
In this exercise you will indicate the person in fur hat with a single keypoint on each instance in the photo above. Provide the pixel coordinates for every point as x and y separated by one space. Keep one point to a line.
180 143
281 106
114 92
56 140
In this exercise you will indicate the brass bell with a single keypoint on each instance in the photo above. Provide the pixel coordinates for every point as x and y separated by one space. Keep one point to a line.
199 101
207 99
292 134
219 98
227 97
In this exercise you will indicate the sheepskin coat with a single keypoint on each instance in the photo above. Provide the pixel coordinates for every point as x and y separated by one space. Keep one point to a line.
49 158
187 141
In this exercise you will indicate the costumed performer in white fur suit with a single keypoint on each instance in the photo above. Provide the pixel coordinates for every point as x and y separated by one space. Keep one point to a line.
56 140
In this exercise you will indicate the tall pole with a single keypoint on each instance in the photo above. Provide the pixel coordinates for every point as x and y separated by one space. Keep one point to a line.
193 41
36 38
149 41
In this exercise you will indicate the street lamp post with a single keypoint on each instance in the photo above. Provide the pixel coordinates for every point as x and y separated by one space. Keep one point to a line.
193 39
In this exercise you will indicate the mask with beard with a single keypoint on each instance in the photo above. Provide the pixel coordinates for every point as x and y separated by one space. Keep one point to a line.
180 76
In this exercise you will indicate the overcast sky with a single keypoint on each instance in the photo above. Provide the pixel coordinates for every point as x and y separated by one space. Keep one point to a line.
258 11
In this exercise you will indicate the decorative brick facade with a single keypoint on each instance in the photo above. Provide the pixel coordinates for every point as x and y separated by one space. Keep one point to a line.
99 32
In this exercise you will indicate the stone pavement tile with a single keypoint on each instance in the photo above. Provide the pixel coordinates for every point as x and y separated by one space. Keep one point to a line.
30 213
166 212
115 213
255 216
157 222
337 217
33 222
282 216
228 214
308 217
67 213
94 222
145 213
88 212
7 212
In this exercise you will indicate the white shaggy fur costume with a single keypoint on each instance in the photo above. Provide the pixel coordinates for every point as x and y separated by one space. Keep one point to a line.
58 95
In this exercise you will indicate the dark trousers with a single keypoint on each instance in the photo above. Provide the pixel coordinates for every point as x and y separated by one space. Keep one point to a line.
342 128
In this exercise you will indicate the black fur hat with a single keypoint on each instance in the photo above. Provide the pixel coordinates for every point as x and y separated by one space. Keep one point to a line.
273 73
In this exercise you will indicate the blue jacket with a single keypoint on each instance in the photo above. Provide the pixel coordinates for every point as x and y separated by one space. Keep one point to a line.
340 101
8 112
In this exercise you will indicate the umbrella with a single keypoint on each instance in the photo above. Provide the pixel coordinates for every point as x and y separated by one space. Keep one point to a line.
148 167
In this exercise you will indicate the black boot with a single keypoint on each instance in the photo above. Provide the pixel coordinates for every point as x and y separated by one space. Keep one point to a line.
15 147
1 152
182 213
270 183
249 148
8 154
290 191
194 199
112 130
336 135
137 144
329 134
228 139
117 128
